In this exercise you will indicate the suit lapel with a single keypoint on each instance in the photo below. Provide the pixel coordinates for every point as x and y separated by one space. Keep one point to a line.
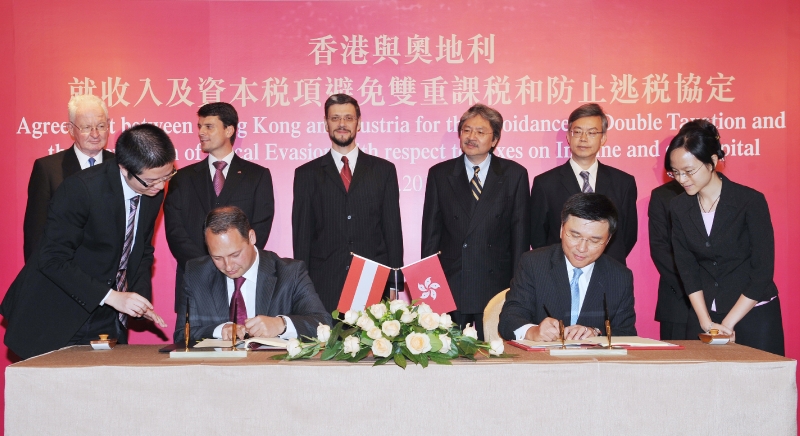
362 172
112 199
70 164
265 284
220 294
329 167
492 187
232 180
696 216
460 185
726 210
568 180
603 183
201 181
562 294
594 293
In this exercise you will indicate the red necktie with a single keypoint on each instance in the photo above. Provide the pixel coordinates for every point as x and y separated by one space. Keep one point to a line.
219 177
238 311
347 176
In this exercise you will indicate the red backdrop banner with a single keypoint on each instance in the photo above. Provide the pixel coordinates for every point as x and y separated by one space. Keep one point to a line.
415 67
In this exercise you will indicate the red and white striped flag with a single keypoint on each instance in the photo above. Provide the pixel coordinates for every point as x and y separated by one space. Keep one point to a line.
428 284
364 285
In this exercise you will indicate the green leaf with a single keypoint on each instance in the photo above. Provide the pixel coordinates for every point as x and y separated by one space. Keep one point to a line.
335 314
412 357
366 340
348 332
330 352
400 360
439 358
382 360
337 330
436 343
283 356
423 360
360 355
342 356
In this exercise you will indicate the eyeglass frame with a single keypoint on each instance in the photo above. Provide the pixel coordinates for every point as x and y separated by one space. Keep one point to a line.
590 134
576 240
97 127
687 174
478 133
348 119
164 179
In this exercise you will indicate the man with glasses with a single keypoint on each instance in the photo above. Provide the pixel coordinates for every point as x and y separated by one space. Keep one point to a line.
221 179
572 281
476 215
586 135
88 127
92 269
345 201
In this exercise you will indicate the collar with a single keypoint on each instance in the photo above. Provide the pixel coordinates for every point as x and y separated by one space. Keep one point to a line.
227 159
352 157
83 159
587 270
577 168
484 166
127 191
252 274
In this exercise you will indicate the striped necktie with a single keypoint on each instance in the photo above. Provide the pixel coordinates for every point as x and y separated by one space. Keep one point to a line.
587 188
476 183
122 274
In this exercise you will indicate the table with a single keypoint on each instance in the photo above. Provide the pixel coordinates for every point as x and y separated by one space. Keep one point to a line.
729 389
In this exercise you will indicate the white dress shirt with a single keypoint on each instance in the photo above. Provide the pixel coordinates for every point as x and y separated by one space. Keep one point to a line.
248 291
592 174
352 157
583 286
227 159
84 159
484 166
128 193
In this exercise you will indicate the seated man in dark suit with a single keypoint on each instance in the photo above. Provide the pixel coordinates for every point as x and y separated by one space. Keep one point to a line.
571 279
274 296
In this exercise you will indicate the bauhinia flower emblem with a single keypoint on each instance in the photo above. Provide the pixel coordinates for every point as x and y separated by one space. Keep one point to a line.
428 289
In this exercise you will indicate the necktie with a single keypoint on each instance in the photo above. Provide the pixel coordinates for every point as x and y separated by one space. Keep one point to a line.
576 296
475 184
347 175
219 177
122 281
238 311
91 161
587 188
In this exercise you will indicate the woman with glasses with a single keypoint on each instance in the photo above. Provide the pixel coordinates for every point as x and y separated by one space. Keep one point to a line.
723 243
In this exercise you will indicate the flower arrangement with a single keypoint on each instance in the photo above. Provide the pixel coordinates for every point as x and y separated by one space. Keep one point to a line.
393 331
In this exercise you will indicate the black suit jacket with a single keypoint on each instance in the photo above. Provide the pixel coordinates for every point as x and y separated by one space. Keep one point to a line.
47 174
283 288
191 197
328 223
542 279
77 261
738 258
673 305
480 242
552 189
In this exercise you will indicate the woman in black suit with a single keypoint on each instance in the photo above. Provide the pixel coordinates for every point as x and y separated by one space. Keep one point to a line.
724 245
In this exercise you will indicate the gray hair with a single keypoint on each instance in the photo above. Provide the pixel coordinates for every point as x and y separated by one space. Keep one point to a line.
83 100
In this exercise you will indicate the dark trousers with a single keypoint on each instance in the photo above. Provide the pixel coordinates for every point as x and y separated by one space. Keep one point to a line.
761 328
104 320
462 319
672 331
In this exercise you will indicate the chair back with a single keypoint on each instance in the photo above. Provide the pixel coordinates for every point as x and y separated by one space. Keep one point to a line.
491 316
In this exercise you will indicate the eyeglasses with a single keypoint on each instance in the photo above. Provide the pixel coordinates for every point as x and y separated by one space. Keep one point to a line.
591 243
591 134
480 133
101 128
156 181
689 174
347 119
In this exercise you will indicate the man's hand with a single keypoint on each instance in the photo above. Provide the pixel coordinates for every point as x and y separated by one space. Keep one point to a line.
578 332
152 316
546 331
227 331
130 303
263 326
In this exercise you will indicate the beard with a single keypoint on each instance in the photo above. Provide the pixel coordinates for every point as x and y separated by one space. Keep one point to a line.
341 142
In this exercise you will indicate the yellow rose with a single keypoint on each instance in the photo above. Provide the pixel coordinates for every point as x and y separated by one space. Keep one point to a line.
382 347
418 343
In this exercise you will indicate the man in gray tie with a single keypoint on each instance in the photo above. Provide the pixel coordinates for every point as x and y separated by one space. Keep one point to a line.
586 135
569 281
88 128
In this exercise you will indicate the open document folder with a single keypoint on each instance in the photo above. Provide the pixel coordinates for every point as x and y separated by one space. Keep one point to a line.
264 343
629 342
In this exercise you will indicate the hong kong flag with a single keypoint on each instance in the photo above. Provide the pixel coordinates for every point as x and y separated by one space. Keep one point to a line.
364 284
427 283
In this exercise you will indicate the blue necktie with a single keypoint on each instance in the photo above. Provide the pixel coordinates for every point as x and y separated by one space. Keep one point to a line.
91 161
576 296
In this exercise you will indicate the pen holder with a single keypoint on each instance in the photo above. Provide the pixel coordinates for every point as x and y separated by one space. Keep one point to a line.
103 343
714 338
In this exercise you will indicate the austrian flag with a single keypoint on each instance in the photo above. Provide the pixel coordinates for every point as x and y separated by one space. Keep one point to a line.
364 284
427 283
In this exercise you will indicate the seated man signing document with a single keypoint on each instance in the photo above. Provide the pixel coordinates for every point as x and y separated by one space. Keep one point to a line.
568 280
273 296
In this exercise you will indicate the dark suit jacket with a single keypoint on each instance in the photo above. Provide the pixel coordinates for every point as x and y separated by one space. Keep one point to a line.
480 242
191 197
552 189
541 279
283 288
673 305
77 261
738 258
328 223
48 173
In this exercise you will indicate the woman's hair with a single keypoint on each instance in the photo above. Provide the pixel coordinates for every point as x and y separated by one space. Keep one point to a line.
698 137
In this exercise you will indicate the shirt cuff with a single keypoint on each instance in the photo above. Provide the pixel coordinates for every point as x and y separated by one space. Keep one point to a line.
291 332
520 332
218 330
103 301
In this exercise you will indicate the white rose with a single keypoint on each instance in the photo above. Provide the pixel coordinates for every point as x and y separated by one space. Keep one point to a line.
424 308
382 347
365 322
350 317
446 343
352 345
445 321
378 310
293 347
407 316
418 343
429 321
396 305
470 332
374 333
323 332
497 347
391 328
